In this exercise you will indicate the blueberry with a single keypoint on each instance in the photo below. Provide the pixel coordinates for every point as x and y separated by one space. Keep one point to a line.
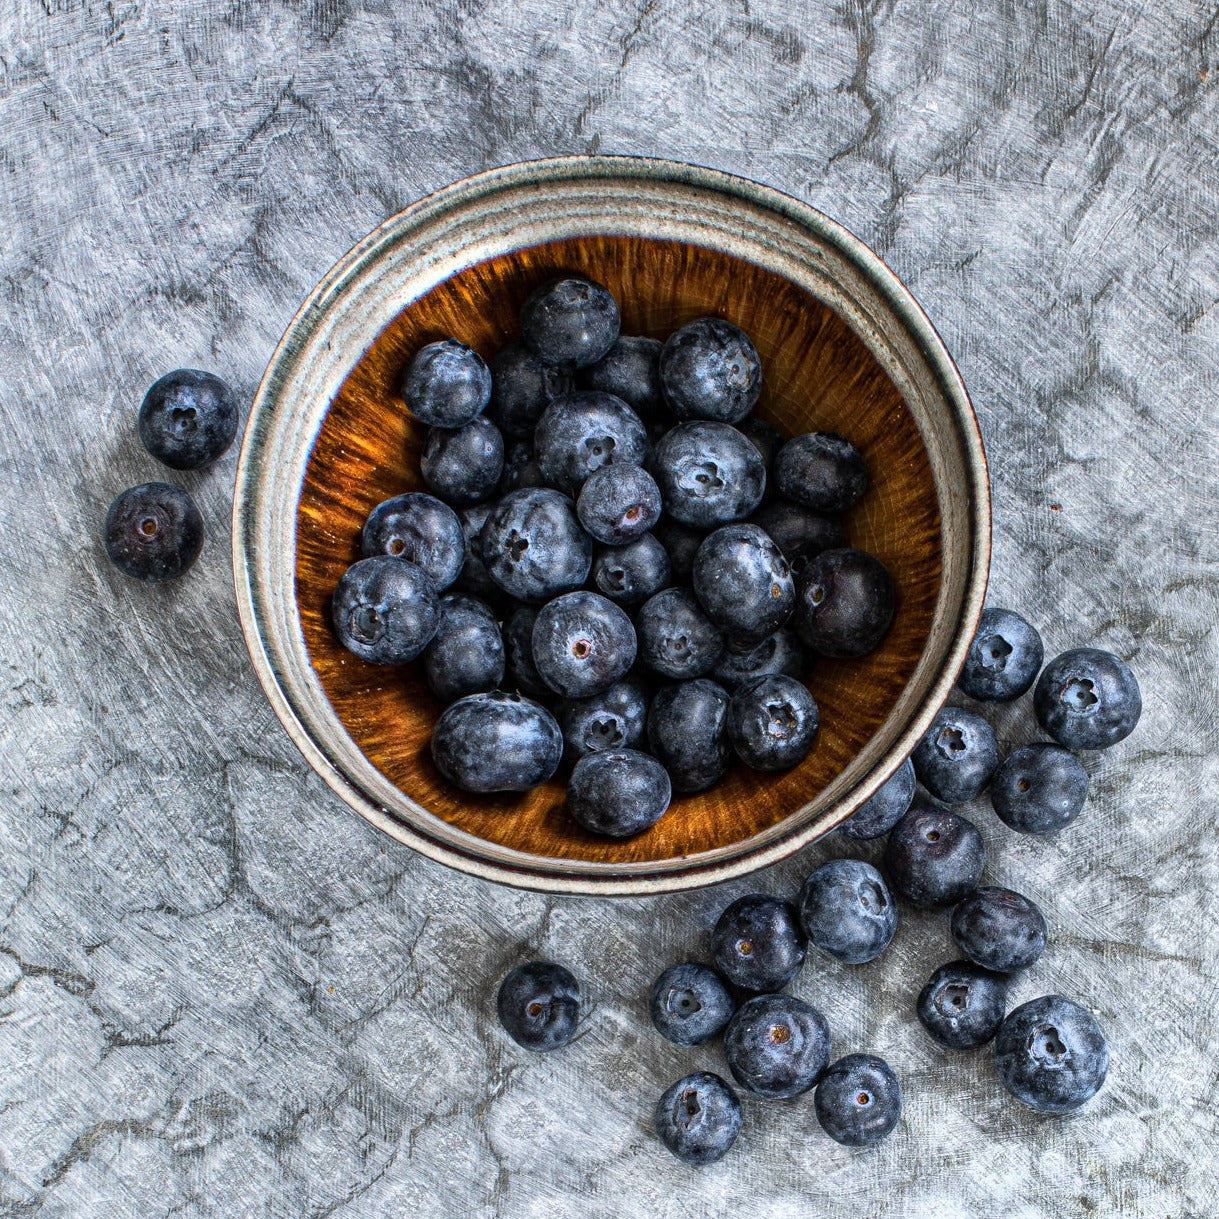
698 1118
708 473
618 504
766 438
521 468
618 792
887 806
496 742
858 1100
822 471
632 573
463 465
520 673
420 528
798 532
584 431
539 1005
533 545
844 602
474 577
744 584
777 1045
446 384
385 610
962 1005
1051 1054
522 387
781 652
1087 699
998 929
681 543
709 369
846 911
570 321
582 644
690 1004
153 532
687 732
1003 658
757 943
933 857
466 655
188 418
1039 788
676 639
630 370
957 755
614 719
772 722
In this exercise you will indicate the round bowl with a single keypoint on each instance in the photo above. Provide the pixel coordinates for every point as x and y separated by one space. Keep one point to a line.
845 348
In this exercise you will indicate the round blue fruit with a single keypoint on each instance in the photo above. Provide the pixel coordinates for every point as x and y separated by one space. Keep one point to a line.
522 387
999 929
521 468
709 369
496 742
676 639
957 755
630 370
681 543
613 719
520 673
766 438
933 856
1039 789
708 473
799 532
466 655
885 808
420 528
844 602
1003 659
858 1100
385 610
698 1118
446 384
474 577
582 644
690 1004
618 792
153 532
1051 1054
744 584
188 418
962 1005
772 722
539 1005
847 912
1087 699
618 504
632 573
822 471
570 321
584 431
463 465
533 545
781 652
777 1046
687 733
758 943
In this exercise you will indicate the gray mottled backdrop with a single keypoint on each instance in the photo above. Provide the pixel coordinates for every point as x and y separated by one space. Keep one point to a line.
222 994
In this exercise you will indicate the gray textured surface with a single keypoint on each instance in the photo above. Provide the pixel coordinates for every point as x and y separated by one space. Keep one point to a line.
222 994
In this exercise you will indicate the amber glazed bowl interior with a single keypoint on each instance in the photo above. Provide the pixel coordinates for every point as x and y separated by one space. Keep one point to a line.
844 348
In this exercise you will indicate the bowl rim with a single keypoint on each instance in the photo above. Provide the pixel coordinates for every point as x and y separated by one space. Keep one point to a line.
552 874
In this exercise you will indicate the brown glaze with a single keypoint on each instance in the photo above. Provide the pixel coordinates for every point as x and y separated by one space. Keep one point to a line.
817 377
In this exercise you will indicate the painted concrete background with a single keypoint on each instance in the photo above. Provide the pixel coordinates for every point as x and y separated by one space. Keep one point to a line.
221 994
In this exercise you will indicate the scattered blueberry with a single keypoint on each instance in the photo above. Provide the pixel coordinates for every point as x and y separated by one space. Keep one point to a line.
781 652
957 755
630 370
1051 1054
496 742
632 573
698 1118
886 807
822 471
582 644
570 321
744 584
710 369
520 673
385 610
933 857
1003 659
765 437
446 384
962 1005
687 732
539 1005
1039 788
533 546
463 465
858 1100
420 528
521 468
584 431
618 504
522 387
188 418
153 532
676 639
777 1045
772 722
1087 699
681 543
466 655
618 792
999 929
474 576
690 1004
614 719
844 602
798 532
758 943
709 474
846 911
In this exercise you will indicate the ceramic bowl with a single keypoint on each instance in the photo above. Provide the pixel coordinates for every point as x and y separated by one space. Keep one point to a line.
844 347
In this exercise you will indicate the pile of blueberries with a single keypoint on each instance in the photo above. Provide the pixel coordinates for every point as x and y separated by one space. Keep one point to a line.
616 560
1049 1053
